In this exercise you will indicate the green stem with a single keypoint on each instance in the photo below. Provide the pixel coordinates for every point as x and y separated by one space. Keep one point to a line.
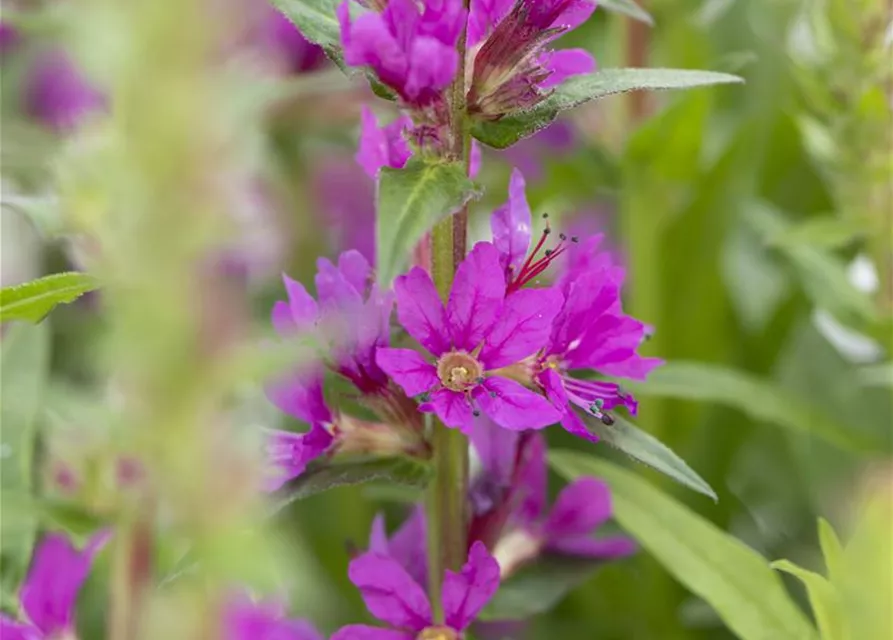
447 496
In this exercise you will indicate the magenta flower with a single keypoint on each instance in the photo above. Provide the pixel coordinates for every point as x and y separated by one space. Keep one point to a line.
411 46
49 593
297 53
479 333
514 68
393 597
244 619
346 198
407 545
58 95
382 146
9 38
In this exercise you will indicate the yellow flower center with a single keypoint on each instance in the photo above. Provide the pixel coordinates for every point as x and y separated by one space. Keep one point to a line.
459 371
437 633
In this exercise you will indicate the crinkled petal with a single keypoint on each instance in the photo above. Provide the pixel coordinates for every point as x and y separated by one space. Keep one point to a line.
389 592
300 396
57 573
586 299
452 408
484 16
531 480
523 327
467 592
511 224
356 269
589 547
421 312
369 42
565 63
382 146
432 67
513 406
289 453
581 507
365 632
476 297
12 630
298 313
408 369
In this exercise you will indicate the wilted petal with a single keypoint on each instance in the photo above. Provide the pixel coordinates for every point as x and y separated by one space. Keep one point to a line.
390 594
50 590
580 508
511 223
452 407
467 592
476 296
420 310
565 63
513 406
408 369
589 547
523 327
382 147
365 632
288 453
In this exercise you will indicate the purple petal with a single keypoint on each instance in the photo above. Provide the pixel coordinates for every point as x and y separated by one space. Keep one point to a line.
356 269
574 425
580 508
496 448
50 590
378 535
531 479
57 93
589 547
288 453
511 223
300 396
565 63
382 147
467 592
432 68
452 408
12 630
244 619
409 546
575 13
421 312
476 296
475 159
365 632
408 369
299 313
347 204
553 385
369 42
523 327
389 592
587 297
513 406
484 16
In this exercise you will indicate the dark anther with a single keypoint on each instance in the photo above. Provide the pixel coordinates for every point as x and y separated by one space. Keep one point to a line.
562 236
493 394
545 216
425 397
475 413
479 380
549 252
607 419
575 239
547 231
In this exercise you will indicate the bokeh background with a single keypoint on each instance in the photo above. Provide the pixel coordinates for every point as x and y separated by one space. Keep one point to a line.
754 221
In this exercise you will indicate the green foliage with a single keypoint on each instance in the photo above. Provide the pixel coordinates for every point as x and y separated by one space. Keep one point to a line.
410 202
822 598
578 90
317 21
25 363
627 8
733 578
32 301
643 447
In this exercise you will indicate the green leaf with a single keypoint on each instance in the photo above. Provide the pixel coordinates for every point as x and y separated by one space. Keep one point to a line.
832 550
877 375
316 20
822 599
727 574
825 233
538 587
759 399
349 470
645 448
581 89
23 372
33 300
76 521
627 8
410 202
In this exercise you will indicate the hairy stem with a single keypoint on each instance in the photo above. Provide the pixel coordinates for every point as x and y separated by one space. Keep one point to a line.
446 503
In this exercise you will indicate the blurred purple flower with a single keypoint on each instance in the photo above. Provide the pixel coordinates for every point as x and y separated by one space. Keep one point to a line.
383 146
57 93
298 54
527 155
49 593
244 619
514 67
393 597
478 333
410 46
346 197
9 38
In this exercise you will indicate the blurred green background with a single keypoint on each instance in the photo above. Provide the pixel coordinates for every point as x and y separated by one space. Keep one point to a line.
755 222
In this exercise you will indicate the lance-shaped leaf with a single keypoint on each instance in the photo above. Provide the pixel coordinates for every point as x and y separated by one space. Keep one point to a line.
323 475
645 448
581 89
822 598
32 301
317 21
727 574
410 201
628 8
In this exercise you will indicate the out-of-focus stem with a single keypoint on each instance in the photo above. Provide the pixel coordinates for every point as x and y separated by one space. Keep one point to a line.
131 579
446 502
